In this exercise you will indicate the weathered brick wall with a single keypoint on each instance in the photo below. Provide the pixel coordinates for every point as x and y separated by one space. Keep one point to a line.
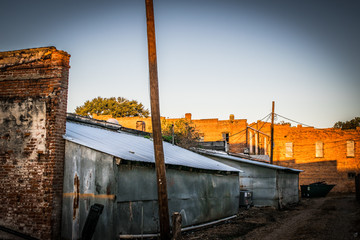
33 101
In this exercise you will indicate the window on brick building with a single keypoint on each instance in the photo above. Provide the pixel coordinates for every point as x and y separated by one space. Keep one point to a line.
289 150
319 149
350 146
351 175
226 137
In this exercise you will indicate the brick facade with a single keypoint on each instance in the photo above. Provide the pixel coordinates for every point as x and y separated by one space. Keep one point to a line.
33 101
330 161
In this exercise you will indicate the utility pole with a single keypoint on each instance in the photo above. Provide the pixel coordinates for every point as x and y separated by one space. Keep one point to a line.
156 125
272 134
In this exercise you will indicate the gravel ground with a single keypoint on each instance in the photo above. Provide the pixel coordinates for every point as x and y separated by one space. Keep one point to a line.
331 217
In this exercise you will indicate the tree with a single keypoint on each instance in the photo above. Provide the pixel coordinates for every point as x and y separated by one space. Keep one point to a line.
116 107
185 135
352 124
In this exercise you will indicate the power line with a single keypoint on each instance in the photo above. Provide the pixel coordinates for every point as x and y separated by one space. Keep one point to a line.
267 116
343 141
293 120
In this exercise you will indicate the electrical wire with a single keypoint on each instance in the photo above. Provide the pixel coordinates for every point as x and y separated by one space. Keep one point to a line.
332 142
292 120
267 116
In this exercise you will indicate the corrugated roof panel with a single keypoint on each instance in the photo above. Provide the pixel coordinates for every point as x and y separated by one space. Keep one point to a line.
137 148
238 159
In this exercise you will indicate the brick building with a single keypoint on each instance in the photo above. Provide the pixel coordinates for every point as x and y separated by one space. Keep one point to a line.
209 129
33 101
330 155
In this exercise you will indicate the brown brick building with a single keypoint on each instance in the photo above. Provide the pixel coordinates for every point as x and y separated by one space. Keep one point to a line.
330 155
33 101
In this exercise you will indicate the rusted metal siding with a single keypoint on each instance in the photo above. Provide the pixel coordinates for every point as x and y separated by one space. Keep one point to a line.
288 187
129 194
199 197
95 184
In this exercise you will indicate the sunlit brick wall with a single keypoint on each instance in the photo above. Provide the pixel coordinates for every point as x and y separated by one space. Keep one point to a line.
212 129
332 164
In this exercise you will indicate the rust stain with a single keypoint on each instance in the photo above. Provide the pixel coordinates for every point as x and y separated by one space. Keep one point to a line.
76 195
108 189
87 195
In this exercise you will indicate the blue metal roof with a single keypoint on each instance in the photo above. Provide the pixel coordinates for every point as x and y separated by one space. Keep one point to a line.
137 148
238 159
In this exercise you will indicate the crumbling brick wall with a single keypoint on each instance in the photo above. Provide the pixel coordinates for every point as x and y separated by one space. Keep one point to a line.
33 101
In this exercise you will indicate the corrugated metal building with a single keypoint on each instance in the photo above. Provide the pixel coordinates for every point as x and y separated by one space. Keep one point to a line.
116 169
271 185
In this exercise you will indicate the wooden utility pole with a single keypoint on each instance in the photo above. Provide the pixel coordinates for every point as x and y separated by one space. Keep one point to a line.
156 125
272 134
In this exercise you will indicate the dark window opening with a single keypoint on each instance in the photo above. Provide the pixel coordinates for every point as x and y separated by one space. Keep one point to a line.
351 175
226 137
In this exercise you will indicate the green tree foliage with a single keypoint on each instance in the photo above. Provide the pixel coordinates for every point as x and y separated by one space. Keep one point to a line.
116 107
352 124
186 135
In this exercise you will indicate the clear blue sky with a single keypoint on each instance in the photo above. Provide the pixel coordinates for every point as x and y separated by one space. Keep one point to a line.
215 58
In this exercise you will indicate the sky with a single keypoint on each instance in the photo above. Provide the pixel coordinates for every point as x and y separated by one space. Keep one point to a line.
215 58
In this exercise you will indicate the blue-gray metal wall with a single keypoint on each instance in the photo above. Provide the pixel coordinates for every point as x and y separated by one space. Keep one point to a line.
271 187
129 194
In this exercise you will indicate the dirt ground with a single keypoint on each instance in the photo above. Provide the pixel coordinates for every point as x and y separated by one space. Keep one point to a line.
331 217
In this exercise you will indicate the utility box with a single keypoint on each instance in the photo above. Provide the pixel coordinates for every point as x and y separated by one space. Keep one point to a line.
246 199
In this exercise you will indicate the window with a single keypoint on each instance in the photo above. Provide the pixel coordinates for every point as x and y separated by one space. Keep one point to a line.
319 149
351 175
226 137
350 145
289 150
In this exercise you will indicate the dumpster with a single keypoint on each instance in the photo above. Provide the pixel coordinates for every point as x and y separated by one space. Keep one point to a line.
318 189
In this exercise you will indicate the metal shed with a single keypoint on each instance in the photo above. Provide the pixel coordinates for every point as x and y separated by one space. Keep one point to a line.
272 185
116 169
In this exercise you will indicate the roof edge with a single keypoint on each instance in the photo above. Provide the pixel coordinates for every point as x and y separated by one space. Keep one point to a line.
248 161
167 165
103 124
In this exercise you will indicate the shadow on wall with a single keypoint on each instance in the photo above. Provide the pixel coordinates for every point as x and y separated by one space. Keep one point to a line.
323 171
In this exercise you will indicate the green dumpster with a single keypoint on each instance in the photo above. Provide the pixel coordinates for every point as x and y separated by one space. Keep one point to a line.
318 189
